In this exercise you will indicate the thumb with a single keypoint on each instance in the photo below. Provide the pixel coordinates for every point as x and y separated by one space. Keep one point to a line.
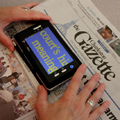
5 40
42 95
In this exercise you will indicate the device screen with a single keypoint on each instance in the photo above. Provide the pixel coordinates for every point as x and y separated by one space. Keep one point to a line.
48 50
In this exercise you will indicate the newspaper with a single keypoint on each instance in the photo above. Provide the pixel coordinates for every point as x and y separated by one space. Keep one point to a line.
92 38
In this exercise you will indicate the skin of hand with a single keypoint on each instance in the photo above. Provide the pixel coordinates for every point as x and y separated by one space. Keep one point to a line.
73 106
17 13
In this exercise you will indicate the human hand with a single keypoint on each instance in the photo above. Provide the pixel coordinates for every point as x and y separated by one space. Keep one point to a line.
17 13
73 106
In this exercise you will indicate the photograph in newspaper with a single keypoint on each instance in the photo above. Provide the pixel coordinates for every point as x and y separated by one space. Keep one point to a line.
107 34
17 95
115 45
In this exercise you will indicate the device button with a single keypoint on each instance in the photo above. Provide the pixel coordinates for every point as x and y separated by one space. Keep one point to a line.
71 66
28 48
56 74
64 70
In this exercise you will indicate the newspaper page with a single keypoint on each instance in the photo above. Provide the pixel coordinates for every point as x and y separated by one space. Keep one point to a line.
17 93
93 39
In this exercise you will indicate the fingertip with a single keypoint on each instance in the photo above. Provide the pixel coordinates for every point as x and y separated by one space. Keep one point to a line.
39 91
11 48
52 22
42 93
37 15
30 5
9 45
39 87
46 17
108 103
97 75
103 85
84 65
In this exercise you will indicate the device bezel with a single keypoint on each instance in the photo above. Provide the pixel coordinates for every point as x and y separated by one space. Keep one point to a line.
21 48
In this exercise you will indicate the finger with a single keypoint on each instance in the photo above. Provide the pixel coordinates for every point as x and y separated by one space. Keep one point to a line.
30 15
29 5
52 22
74 85
41 102
88 88
99 111
96 96
5 40
42 96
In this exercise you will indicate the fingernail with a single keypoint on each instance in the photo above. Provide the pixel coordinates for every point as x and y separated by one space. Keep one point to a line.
103 85
98 75
11 47
108 102
39 87
84 66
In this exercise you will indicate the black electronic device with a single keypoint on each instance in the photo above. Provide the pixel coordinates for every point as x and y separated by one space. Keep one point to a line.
46 54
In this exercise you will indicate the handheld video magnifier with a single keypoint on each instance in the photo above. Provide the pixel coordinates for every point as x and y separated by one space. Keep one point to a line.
46 54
